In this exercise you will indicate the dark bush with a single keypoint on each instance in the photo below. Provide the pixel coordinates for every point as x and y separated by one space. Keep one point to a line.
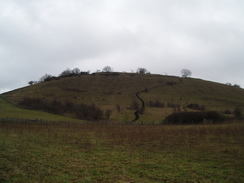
55 107
31 82
89 112
193 117
46 77
49 78
74 72
170 83
82 111
236 85
142 70
84 73
33 103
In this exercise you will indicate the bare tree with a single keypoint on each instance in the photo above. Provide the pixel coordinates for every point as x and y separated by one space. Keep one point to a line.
66 73
76 71
185 73
31 82
142 71
46 77
107 69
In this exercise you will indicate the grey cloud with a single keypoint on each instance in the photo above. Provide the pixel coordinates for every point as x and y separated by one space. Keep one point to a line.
38 37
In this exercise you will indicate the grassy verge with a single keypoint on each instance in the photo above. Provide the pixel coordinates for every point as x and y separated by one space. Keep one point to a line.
121 153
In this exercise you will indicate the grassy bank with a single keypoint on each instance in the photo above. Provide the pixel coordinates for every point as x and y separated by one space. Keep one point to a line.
121 153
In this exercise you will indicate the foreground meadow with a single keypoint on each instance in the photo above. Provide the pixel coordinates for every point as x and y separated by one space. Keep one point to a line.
54 152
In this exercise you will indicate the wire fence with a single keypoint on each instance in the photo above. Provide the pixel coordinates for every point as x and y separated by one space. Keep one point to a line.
35 121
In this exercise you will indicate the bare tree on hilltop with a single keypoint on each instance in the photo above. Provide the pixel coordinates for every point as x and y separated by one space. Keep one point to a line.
142 71
46 77
107 69
76 71
185 73
65 73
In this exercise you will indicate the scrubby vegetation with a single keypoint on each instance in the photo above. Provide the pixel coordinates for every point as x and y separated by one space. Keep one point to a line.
194 117
81 111
10 112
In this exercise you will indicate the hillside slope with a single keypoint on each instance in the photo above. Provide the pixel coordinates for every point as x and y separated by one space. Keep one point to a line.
115 94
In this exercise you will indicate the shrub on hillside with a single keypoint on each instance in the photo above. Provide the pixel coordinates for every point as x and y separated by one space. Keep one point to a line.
33 103
171 83
84 73
74 72
142 71
46 77
81 111
89 112
193 117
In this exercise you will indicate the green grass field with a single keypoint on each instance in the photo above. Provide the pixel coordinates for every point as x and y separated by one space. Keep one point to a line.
121 153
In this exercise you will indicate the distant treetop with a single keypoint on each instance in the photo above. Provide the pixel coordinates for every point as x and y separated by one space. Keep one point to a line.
185 73
142 71
107 69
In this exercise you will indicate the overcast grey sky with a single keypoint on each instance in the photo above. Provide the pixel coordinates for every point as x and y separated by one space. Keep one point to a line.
163 36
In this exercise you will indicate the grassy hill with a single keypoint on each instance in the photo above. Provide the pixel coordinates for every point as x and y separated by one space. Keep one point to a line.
115 95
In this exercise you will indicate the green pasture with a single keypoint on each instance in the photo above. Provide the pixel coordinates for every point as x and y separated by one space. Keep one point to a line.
121 153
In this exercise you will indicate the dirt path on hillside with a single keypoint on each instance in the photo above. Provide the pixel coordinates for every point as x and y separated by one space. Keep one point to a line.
140 110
